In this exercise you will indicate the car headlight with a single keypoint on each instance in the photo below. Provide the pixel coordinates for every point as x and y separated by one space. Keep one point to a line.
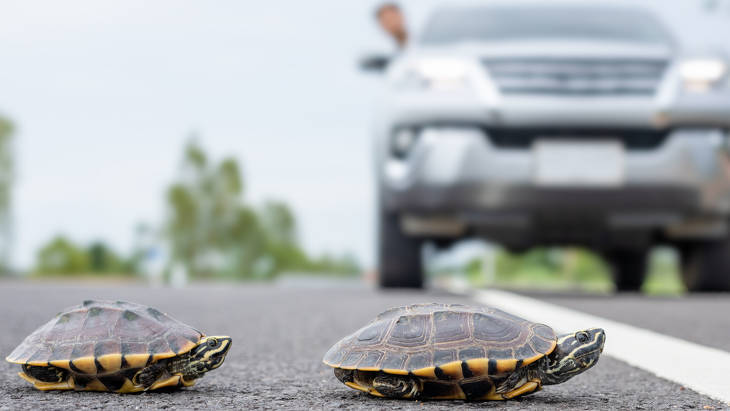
702 74
435 74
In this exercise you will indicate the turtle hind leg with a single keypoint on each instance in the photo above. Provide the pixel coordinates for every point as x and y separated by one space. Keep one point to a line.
345 376
67 384
149 375
396 386
49 374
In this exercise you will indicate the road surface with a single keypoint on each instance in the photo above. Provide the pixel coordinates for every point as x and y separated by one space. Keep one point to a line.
280 334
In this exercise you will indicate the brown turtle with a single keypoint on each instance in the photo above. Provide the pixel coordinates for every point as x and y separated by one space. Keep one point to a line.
441 351
116 346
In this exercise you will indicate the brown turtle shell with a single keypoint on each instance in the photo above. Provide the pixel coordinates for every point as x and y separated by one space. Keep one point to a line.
443 341
100 337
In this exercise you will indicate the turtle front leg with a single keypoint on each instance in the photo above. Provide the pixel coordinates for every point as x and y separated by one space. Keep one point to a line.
526 388
521 382
396 386
149 375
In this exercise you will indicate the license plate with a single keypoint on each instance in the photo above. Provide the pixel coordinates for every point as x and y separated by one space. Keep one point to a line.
578 163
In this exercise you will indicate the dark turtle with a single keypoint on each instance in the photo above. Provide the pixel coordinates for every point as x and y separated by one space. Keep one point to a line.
440 351
116 346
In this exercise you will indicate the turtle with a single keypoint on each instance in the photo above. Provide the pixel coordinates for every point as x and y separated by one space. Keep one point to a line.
117 346
453 351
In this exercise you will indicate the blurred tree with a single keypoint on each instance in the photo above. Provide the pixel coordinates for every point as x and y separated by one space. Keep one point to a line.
61 256
103 259
345 265
279 227
212 231
6 183
279 222
182 225
209 229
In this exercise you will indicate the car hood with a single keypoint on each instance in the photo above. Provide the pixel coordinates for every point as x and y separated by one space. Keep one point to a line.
547 49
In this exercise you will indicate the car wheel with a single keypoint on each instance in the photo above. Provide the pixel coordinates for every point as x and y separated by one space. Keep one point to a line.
399 256
628 268
706 266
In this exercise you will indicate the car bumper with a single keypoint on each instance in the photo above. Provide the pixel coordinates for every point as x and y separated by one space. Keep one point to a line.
670 108
460 174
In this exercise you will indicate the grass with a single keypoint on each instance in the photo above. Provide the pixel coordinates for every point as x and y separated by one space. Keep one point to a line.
564 269
664 277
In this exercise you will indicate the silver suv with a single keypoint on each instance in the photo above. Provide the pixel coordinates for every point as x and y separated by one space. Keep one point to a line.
555 123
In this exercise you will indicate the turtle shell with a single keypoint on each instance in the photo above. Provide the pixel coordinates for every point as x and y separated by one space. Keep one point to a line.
443 341
99 337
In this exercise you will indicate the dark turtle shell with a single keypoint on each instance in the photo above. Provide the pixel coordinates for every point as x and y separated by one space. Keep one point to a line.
442 340
104 337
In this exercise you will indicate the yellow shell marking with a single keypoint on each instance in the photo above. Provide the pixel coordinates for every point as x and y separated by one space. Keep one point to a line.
373 391
111 362
136 360
478 366
395 371
85 365
428 372
173 381
60 364
356 386
95 385
504 366
453 370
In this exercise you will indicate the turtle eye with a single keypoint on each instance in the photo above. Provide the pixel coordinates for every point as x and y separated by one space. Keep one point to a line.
582 337
212 343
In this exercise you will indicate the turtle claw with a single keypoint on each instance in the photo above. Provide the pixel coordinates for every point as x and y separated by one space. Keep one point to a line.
514 381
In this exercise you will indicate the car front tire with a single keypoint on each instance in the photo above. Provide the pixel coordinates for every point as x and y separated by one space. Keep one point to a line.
629 268
706 266
399 256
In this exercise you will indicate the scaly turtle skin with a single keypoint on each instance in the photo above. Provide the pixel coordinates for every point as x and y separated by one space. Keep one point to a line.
116 346
439 351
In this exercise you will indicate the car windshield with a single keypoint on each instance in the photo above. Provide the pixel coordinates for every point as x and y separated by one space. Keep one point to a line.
504 23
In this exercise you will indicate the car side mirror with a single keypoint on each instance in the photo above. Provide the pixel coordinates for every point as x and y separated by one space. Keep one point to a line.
376 63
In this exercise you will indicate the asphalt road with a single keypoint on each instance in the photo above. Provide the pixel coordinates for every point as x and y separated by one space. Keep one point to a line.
280 335
703 319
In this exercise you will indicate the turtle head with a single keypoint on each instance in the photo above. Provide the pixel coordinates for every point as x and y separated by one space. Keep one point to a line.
575 353
207 355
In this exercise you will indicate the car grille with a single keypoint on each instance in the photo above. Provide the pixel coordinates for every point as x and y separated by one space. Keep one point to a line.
522 138
579 77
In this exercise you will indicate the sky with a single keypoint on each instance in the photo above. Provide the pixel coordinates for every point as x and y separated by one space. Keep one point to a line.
105 94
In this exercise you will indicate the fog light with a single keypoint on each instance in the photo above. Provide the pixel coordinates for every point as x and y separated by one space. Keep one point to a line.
403 141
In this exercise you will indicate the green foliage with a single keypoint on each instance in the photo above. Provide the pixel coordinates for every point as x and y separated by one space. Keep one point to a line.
6 184
664 274
545 268
62 257
570 269
213 232
102 259
345 265
6 162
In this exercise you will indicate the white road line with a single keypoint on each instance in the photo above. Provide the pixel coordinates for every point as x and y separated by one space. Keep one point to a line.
694 366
